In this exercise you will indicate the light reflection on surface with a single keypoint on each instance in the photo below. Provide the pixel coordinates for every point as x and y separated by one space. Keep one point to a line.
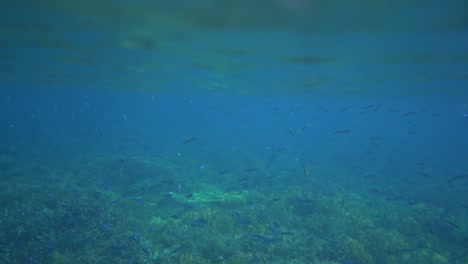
291 47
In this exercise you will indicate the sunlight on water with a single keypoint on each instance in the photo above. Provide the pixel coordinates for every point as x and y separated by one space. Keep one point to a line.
236 47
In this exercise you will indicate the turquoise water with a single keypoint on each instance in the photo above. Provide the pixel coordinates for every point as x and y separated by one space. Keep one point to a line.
234 132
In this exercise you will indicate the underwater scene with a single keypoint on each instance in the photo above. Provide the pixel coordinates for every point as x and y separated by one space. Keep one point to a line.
263 131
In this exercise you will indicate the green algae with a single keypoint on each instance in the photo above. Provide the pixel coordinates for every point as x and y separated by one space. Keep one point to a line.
136 220
211 197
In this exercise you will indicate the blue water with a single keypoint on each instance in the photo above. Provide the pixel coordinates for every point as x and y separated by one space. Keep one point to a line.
242 132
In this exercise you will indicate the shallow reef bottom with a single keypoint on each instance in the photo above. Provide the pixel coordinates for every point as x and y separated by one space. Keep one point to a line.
153 210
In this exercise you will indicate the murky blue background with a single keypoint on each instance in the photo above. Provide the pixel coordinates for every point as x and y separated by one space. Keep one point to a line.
369 94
